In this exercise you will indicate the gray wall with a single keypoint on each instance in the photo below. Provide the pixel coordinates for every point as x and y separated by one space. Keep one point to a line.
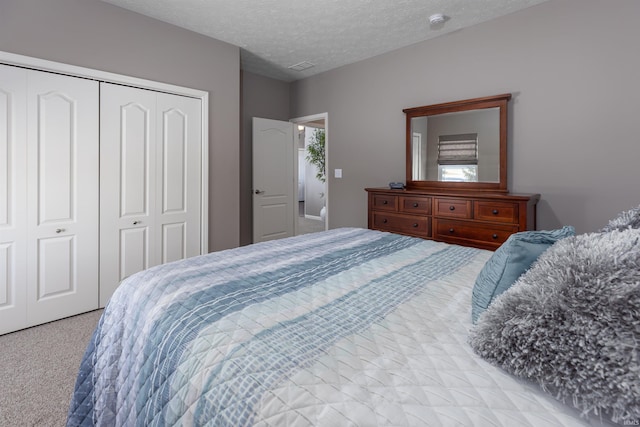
573 117
269 99
94 34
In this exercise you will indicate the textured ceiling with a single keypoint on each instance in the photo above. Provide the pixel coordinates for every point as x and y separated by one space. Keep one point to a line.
276 34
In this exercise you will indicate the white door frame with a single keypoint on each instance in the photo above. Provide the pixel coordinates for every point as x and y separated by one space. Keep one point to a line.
103 76
306 119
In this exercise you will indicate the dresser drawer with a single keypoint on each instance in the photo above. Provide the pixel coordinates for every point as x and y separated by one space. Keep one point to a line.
417 205
489 236
406 224
496 211
385 202
471 218
453 208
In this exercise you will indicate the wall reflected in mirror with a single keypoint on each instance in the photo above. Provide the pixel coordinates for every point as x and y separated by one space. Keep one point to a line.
461 146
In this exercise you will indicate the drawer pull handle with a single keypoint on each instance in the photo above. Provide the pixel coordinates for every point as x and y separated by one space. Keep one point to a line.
415 225
415 205
495 211
60 230
385 202
137 222
494 236
451 230
452 208
384 221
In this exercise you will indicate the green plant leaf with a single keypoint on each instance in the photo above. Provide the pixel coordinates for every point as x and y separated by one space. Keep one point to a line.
316 153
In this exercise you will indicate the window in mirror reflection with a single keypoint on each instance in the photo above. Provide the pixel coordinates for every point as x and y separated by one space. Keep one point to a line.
458 158
458 173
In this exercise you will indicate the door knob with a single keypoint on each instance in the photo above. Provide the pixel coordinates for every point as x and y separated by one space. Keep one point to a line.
259 191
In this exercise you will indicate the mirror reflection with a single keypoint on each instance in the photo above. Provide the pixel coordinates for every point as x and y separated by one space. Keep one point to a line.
460 146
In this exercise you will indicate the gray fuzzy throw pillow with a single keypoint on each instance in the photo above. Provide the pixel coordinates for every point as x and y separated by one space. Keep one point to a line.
572 324
626 219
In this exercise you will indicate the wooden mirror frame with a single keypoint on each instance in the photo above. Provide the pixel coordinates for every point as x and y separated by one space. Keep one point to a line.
499 101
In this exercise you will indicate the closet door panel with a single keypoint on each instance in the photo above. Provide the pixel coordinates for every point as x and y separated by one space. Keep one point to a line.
173 242
128 159
135 243
13 202
56 266
56 147
62 188
179 175
135 156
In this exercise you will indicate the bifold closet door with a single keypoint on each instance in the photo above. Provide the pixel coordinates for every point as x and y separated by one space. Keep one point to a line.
179 177
13 199
49 197
62 196
150 173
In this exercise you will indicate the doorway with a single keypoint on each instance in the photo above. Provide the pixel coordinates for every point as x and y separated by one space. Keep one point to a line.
313 190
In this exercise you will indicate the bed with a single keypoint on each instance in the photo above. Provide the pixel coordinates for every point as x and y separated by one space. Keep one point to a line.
343 327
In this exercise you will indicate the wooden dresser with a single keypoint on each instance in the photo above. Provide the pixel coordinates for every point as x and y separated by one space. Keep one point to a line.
478 219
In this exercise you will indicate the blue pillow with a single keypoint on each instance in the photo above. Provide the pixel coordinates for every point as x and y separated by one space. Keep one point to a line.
509 261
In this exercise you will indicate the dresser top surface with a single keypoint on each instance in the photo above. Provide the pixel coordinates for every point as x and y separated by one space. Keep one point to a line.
462 194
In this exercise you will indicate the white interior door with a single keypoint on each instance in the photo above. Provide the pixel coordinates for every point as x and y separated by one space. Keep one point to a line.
179 178
127 177
274 179
62 196
13 199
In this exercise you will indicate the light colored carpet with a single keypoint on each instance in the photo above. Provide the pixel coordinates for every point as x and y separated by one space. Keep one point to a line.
38 369
307 225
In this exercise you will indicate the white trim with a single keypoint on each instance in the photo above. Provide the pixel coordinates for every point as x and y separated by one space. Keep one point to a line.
89 73
312 118
8 58
204 201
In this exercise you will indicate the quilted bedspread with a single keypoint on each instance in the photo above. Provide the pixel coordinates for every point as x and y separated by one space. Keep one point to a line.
345 327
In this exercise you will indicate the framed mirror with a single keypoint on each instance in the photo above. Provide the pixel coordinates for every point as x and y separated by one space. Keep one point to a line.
458 145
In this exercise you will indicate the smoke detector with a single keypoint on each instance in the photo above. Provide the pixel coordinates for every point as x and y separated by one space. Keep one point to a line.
437 18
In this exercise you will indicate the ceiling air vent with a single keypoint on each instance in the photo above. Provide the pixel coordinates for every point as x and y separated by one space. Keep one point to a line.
301 66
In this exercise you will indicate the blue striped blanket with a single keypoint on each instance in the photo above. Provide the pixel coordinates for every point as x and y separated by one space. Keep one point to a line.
315 329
